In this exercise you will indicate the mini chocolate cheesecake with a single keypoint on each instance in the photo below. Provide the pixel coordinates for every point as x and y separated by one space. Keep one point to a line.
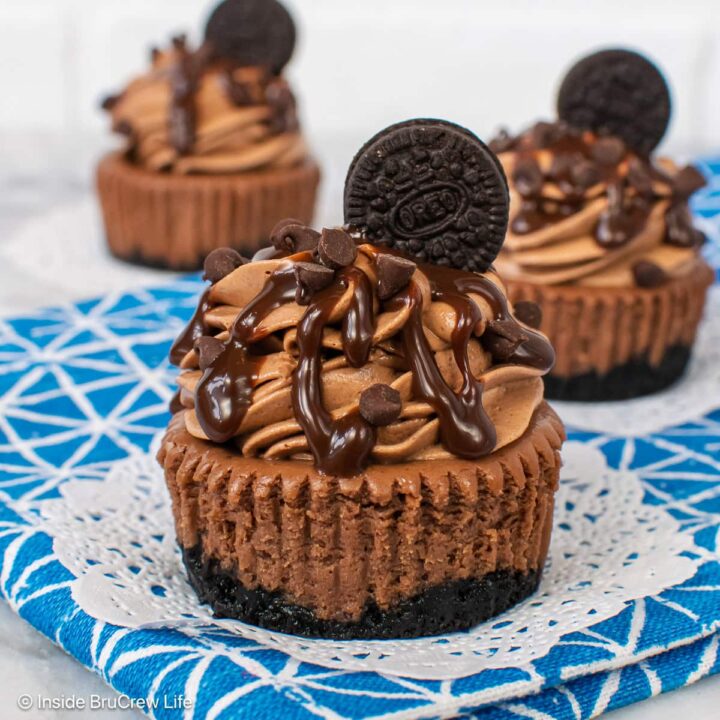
601 237
360 445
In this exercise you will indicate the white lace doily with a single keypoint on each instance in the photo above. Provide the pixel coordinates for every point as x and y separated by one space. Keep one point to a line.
692 397
116 537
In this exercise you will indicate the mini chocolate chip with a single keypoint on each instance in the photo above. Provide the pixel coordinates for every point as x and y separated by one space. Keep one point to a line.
380 405
544 134
608 150
208 350
109 102
292 236
336 248
561 166
688 181
502 142
123 127
679 229
639 178
648 275
529 312
528 177
311 278
584 174
221 262
393 274
502 338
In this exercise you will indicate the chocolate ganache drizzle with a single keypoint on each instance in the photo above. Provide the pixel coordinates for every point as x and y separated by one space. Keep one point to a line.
483 338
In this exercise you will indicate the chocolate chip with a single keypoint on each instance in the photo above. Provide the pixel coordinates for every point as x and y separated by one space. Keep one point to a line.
502 338
221 262
584 174
608 150
124 128
109 102
208 350
292 236
688 181
544 134
528 177
529 313
393 274
680 230
648 275
502 142
311 278
639 178
336 248
380 405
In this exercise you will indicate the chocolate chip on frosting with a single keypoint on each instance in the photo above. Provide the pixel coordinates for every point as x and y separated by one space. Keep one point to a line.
208 350
528 177
393 274
292 236
544 134
502 338
584 174
639 178
221 262
648 275
380 405
336 248
688 181
529 313
502 142
311 278
608 150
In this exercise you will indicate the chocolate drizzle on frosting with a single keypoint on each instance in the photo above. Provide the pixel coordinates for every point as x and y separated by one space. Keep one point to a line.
342 442
194 330
579 161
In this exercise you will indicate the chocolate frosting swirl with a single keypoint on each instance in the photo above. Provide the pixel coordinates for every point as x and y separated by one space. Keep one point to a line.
195 113
288 380
587 210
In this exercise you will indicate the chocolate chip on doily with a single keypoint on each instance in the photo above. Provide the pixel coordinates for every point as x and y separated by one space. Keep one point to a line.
393 274
336 249
292 236
311 278
221 262
380 405
648 275
529 313
208 350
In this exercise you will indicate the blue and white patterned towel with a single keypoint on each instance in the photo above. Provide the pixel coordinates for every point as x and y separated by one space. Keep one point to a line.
85 386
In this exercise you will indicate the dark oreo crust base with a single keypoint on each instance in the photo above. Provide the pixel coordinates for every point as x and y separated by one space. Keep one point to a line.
624 382
446 608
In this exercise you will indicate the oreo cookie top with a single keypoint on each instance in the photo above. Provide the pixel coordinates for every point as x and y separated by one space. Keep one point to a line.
617 92
252 32
431 190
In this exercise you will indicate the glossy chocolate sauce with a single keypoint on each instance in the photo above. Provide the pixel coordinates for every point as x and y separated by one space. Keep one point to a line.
196 328
343 446
225 389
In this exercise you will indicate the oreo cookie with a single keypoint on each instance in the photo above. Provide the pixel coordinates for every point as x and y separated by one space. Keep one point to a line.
252 32
431 190
617 92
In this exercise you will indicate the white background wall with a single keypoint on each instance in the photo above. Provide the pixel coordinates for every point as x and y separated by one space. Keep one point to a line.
360 65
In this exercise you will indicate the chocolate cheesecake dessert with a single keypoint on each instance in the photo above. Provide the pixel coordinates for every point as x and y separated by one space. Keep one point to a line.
213 152
360 447
601 237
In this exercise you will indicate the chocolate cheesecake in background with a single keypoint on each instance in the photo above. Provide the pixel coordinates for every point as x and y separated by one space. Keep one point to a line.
213 152
601 237
360 446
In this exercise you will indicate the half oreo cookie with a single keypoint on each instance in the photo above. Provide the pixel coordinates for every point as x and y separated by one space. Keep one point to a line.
431 190
617 92
252 32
